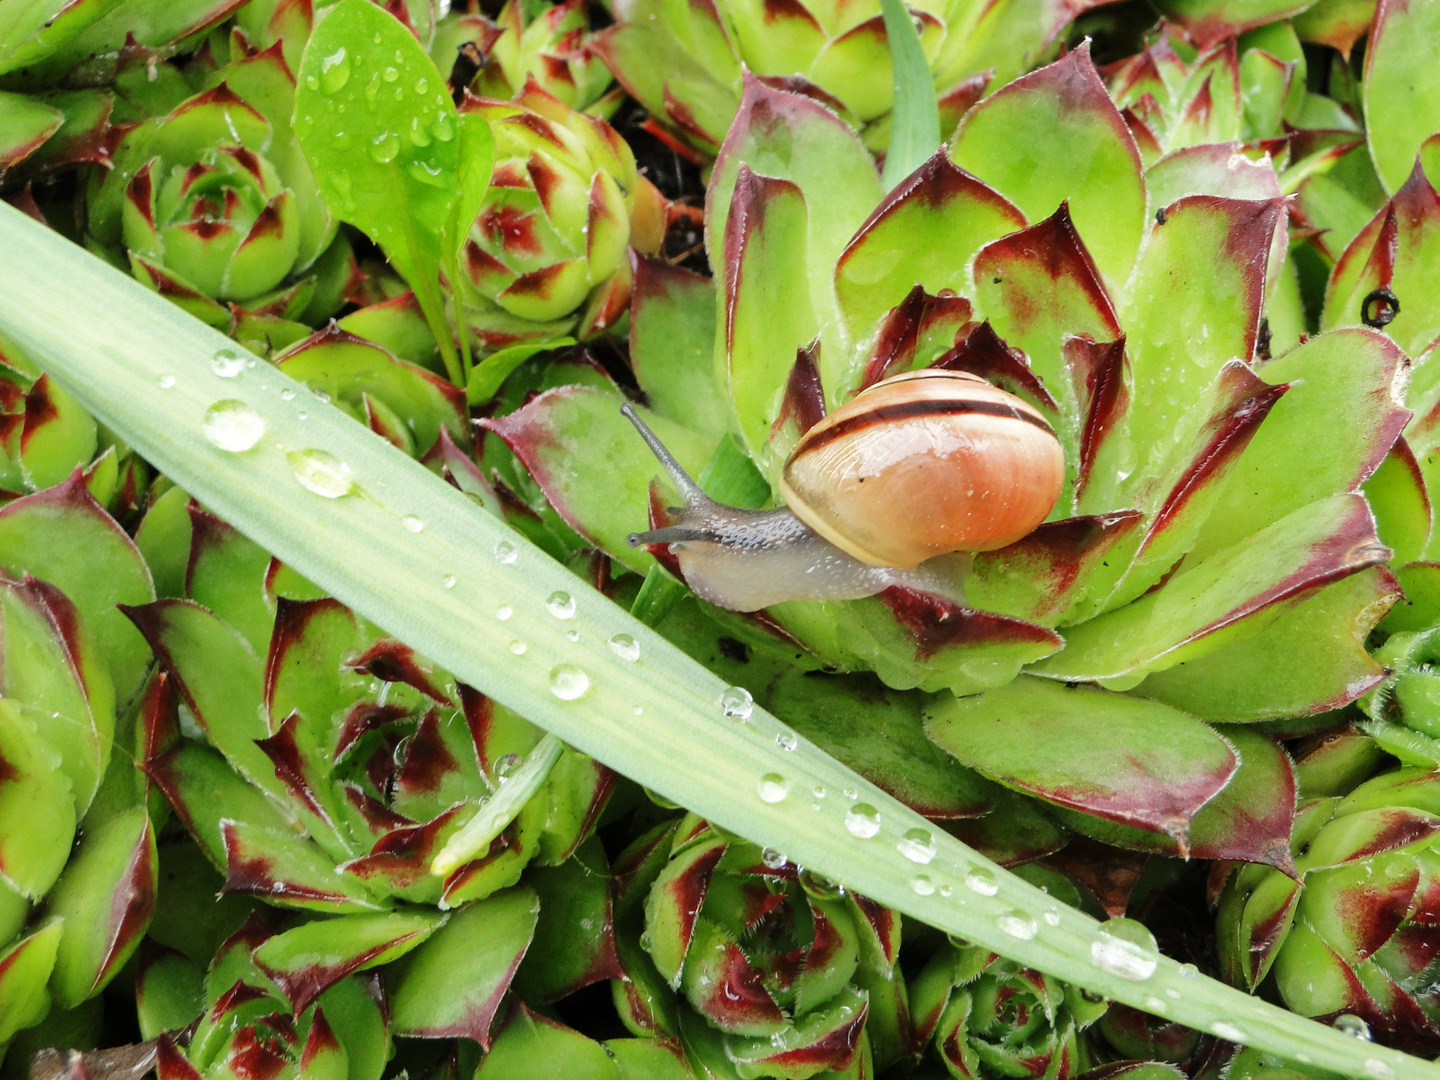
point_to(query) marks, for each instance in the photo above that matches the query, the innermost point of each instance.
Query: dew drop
(862, 820)
(384, 147)
(819, 791)
(165, 382)
(1122, 958)
(922, 885)
(625, 647)
(505, 552)
(946, 891)
(506, 764)
(772, 788)
(232, 425)
(1155, 1005)
(504, 611)
(1353, 1026)
(287, 394)
(572, 635)
(736, 703)
(982, 882)
(227, 363)
(787, 740)
(561, 605)
(389, 74)
(418, 133)
(1228, 1031)
(568, 682)
(449, 581)
(519, 648)
(1052, 918)
(422, 85)
(313, 82)
(1377, 1069)
(917, 845)
(334, 72)
(818, 885)
(1017, 924)
(1189, 971)
(773, 859)
(413, 523)
(321, 472)
(851, 794)
(444, 129)
(302, 415)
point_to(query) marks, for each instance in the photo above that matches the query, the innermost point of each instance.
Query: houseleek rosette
(1194, 574)
(747, 957)
(987, 1016)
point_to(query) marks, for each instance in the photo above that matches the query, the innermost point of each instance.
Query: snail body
(918, 467)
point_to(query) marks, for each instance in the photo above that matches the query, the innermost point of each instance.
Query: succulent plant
(548, 249)
(215, 204)
(549, 47)
(987, 1016)
(78, 871)
(684, 64)
(753, 962)
(1350, 936)
(1163, 577)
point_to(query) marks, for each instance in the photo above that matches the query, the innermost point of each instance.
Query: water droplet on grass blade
(1353, 1026)
(568, 682)
(736, 703)
(1122, 958)
(917, 845)
(862, 820)
(413, 523)
(519, 648)
(625, 647)
(1228, 1031)
(982, 882)
(165, 382)
(449, 581)
(773, 859)
(504, 611)
(922, 885)
(561, 605)
(232, 425)
(1017, 924)
(227, 363)
(772, 788)
(787, 740)
(505, 552)
(321, 472)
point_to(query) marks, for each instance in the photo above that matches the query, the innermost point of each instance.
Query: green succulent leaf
(453, 984)
(1402, 92)
(106, 898)
(38, 826)
(679, 744)
(1159, 765)
(25, 969)
(25, 125)
(402, 190)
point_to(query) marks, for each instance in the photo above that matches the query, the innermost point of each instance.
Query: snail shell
(923, 464)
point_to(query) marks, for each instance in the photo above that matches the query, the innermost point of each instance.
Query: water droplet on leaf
(862, 820)
(321, 472)
(922, 885)
(227, 363)
(568, 682)
(232, 425)
(1228, 1031)
(165, 382)
(448, 581)
(1017, 924)
(1353, 1026)
(413, 523)
(773, 859)
(561, 605)
(625, 647)
(736, 703)
(504, 611)
(917, 845)
(519, 648)
(787, 740)
(384, 147)
(1122, 958)
(505, 552)
(334, 72)
(772, 788)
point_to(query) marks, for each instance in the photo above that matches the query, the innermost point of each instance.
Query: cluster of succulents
(1201, 698)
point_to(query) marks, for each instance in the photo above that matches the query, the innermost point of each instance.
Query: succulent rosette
(214, 204)
(551, 48)
(753, 964)
(78, 870)
(328, 767)
(1351, 935)
(986, 1016)
(684, 64)
(547, 253)
(1193, 573)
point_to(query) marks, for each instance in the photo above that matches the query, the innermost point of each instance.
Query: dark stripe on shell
(907, 410)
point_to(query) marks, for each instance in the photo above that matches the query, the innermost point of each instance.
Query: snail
(899, 486)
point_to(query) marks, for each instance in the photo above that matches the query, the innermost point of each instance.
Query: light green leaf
(915, 129)
(1402, 86)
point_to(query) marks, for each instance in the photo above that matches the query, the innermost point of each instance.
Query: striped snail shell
(916, 467)
(923, 464)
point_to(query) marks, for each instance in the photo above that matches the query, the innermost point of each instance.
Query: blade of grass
(142, 367)
(915, 122)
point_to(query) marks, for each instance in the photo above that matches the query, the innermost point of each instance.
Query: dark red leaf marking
(985, 353)
(804, 400)
(1099, 372)
(289, 759)
(392, 661)
(255, 874)
(753, 194)
(934, 623)
(428, 760)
